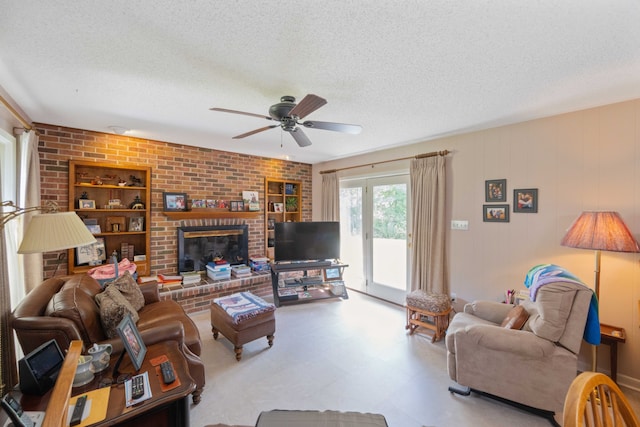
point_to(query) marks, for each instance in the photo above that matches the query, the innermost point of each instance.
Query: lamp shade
(55, 232)
(600, 230)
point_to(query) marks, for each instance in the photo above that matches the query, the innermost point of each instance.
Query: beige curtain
(29, 195)
(428, 263)
(330, 197)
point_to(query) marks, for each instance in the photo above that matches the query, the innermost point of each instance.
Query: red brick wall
(200, 172)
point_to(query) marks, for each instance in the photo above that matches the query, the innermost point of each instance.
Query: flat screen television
(307, 241)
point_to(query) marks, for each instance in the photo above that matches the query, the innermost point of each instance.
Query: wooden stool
(241, 318)
(422, 306)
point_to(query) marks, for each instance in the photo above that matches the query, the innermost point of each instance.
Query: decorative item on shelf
(92, 254)
(289, 189)
(86, 204)
(137, 203)
(278, 207)
(136, 223)
(174, 201)
(121, 182)
(291, 204)
(135, 181)
(84, 196)
(251, 200)
(116, 224)
(198, 203)
(271, 224)
(97, 181)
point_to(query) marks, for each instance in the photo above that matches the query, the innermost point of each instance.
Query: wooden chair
(595, 400)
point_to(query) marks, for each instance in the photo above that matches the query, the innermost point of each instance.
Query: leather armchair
(63, 308)
(533, 366)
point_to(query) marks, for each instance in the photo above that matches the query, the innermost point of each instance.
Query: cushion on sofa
(516, 318)
(128, 287)
(83, 282)
(75, 304)
(113, 307)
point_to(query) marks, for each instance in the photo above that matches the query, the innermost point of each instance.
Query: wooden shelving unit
(280, 197)
(99, 183)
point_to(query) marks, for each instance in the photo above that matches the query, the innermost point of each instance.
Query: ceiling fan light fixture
(119, 130)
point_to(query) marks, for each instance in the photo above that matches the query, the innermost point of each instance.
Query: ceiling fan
(290, 114)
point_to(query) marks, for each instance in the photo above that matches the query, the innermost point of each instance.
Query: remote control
(168, 376)
(76, 417)
(137, 386)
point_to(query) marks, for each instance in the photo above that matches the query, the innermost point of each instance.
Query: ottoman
(243, 317)
(429, 310)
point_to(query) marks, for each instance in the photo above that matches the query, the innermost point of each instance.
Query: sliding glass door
(375, 235)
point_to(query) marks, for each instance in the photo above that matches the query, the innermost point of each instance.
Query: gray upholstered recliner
(533, 366)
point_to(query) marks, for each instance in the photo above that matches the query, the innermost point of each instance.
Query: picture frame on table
(91, 254)
(495, 190)
(495, 213)
(86, 204)
(174, 202)
(136, 223)
(331, 274)
(525, 200)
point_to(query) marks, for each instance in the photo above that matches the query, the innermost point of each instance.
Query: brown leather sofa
(74, 315)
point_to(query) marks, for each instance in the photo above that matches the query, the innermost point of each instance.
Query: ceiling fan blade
(225, 110)
(300, 137)
(253, 132)
(308, 105)
(337, 127)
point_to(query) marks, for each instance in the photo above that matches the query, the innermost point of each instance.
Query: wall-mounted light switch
(459, 225)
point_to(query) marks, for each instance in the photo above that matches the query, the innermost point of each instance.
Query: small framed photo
(278, 207)
(525, 200)
(331, 274)
(92, 254)
(233, 206)
(495, 213)
(198, 203)
(240, 206)
(86, 204)
(94, 228)
(495, 190)
(174, 201)
(136, 223)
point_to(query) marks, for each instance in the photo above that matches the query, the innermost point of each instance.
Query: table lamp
(600, 231)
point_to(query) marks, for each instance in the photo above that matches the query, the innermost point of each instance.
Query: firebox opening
(200, 245)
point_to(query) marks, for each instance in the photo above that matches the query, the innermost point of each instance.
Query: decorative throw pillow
(113, 307)
(516, 318)
(128, 287)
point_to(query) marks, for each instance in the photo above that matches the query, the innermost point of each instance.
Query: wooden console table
(170, 408)
(611, 336)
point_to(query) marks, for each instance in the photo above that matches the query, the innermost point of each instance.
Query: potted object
(291, 204)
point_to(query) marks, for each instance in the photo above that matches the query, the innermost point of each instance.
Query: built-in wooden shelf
(211, 214)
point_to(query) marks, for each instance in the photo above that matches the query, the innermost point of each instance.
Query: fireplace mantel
(211, 214)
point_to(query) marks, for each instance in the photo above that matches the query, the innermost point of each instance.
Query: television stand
(293, 284)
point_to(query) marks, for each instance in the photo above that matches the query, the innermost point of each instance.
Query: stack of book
(241, 270)
(169, 281)
(219, 271)
(190, 278)
(259, 263)
(127, 250)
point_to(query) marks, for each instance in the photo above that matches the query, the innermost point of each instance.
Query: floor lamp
(600, 231)
(51, 231)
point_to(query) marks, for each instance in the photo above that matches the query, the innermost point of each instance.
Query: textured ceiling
(407, 71)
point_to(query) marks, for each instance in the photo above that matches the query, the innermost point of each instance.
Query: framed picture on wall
(495, 213)
(525, 200)
(495, 190)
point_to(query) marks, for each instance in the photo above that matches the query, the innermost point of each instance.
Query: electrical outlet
(459, 225)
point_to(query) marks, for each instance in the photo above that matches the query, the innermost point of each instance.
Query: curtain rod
(17, 115)
(417, 156)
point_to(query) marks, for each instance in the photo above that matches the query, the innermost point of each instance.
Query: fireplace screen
(200, 245)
